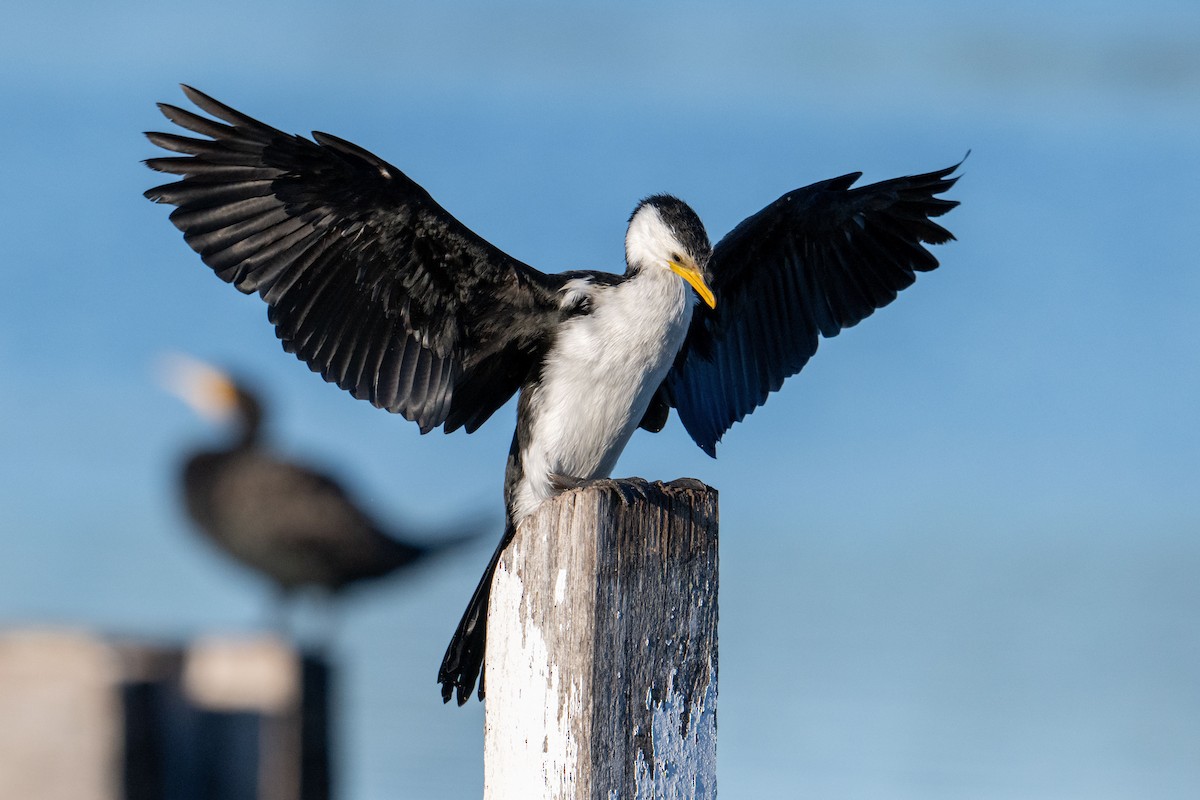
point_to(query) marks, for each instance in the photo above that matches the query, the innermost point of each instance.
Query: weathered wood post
(602, 648)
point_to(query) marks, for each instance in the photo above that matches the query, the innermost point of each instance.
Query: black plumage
(369, 281)
(374, 285)
(816, 261)
(291, 523)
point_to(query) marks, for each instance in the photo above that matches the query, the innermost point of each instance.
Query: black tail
(462, 665)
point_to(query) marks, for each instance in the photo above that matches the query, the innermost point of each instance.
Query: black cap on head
(683, 222)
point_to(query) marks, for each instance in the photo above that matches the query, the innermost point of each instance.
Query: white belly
(597, 382)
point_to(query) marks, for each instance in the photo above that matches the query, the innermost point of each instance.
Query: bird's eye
(678, 259)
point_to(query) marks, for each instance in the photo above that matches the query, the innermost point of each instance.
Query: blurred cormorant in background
(293, 524)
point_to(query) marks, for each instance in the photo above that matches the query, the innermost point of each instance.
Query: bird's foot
(628, 489)
(562, 483)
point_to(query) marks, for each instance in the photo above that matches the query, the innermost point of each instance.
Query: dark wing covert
(368, 280)
(817, 260)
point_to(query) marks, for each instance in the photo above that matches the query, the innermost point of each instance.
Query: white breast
(598, 379)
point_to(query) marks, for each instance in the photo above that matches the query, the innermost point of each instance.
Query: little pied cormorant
(377, 287)
(291, 523)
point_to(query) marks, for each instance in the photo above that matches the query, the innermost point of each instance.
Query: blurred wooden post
(60, 719)
(602, 648)
(85, 717)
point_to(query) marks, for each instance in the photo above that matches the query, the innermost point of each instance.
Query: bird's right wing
(368, 280)
(816, 261)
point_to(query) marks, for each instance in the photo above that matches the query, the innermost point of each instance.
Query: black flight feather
(369, 281)
(816, 261)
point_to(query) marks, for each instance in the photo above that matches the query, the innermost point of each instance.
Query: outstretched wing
(817, 260)
(368, 280)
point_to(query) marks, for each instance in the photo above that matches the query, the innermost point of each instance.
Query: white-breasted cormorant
(377, 287)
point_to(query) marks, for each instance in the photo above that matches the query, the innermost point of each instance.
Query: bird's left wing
(817, 260)
(368, 279)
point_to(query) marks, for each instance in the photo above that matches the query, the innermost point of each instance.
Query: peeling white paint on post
(685, 748)
(602, 648)
(530, 749)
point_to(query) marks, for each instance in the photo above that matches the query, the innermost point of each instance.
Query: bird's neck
(247, 430)
(655, 305)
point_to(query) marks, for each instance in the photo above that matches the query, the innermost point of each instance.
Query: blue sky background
(959, 552)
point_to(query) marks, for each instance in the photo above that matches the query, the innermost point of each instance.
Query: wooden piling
(89, 717)
(602, 648)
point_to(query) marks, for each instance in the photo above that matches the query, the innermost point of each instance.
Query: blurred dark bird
(376, 286)
(290, 523)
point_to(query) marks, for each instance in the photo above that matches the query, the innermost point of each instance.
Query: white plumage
(597, 381)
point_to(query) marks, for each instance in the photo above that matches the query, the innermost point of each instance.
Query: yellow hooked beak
(692, 275)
